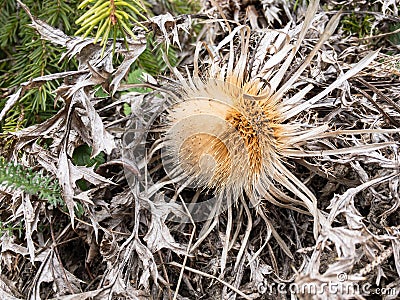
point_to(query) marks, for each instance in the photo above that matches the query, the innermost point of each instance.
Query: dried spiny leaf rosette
(235, 129)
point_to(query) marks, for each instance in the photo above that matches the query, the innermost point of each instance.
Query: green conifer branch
(16, 176)
(23, 56)
(110, 18)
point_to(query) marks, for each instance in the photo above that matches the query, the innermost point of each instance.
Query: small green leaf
(135, 77)
(81, 157)
(127, 109)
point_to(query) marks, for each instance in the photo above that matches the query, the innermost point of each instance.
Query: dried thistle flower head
(234, 130)
(226, 136)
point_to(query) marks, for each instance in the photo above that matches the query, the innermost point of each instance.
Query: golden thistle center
(249, 134)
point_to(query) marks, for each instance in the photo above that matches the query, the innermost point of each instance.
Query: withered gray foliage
(117, 239)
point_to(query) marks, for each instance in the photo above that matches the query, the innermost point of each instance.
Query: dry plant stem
(215, 4)
(239, 221)
(186, 280)
(384, 114)
(352, 150)
(68, 241)
(239, 275)
(206, 233)
(116, 122)
(275, 234)
(380, 35)
(273, 259)
(363, 12)
(296, 234)
(165, 274)
(255, 255)
(356, 131)
(316, 170)
(246, 235)
(212, 277)
(377, 262)
(224, 255)
(54, 246)
(88, 224)
(379, 93)
(209, 225)
(188, 249)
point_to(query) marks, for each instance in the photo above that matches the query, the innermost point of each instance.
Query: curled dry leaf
(51, 270)
(158, 236)
(8, 289)
(166, 24)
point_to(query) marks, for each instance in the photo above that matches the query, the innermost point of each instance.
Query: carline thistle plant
(235, 129)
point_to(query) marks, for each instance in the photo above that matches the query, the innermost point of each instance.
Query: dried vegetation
(303, 195)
